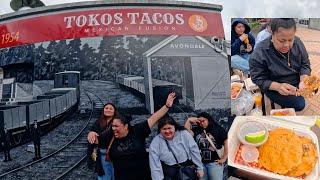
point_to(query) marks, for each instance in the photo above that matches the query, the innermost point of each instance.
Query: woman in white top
(163, 164)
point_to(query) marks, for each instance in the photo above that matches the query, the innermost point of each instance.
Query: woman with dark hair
(128, 151)
(210, 137)
(280, 63)
(100, 137)
(242, 44)
(172, 144)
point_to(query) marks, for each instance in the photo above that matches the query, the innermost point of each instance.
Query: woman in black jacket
(100, 137)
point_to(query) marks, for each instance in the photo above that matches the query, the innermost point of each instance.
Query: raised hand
(193, 120)
(161, 112)
(170, 99)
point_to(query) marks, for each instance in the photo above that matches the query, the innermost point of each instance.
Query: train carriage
(48, 109)
(36, 111)
(13, 117)
(68, 79)
(52, 103)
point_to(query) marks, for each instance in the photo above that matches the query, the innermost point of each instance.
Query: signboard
(110, 22)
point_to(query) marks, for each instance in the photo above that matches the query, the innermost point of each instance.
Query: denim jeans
(213, 171)
(296, 102)
(241, 63)
(107, 167)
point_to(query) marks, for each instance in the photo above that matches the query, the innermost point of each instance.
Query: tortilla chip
(282, 152)
(309, 159)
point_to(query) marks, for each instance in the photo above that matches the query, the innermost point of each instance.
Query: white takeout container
(271, 123)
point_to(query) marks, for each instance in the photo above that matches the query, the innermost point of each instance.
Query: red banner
(109, 22)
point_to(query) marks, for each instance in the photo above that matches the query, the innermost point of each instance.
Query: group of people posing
(120, 148)
(277, 62)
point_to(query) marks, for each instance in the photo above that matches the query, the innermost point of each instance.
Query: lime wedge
(256, 137)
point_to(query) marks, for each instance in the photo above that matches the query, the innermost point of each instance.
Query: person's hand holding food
(286, 89)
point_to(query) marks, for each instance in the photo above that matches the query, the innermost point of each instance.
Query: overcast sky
(235, 8)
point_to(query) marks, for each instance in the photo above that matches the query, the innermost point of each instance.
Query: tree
(87, 63)
(18, 4)
(73, 59)
(38, 62)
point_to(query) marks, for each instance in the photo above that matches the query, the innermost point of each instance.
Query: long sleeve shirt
(268, 65)
(262, 35)
(182, 144)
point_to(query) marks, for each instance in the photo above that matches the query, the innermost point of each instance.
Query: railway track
(62, 161)
(97, 104)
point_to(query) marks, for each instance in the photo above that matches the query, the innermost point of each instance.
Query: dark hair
(286, 23)
(103, 119)
(206, 115)
(169, 120)
(124, 119)
(264, 26)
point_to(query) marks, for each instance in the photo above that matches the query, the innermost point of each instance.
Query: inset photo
(275, 66)
(270, 147)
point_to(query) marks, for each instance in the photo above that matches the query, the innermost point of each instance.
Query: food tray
(270, 123)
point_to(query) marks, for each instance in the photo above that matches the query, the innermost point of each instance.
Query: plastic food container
(251, 127)
(235, 78)
(270, 123)
(250, 86)
(249, 153)
(236, 85)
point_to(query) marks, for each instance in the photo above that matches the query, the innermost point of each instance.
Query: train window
(6, 91)
(65, 81)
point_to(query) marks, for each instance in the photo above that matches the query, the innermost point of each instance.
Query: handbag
(219, 151)
(91, 153)
(108, 150)
(188, 172)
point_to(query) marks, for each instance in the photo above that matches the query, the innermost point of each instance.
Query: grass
(254, 25)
